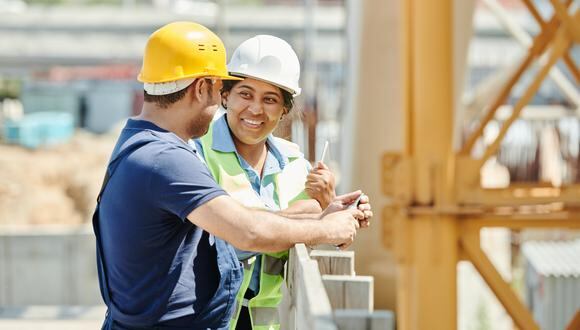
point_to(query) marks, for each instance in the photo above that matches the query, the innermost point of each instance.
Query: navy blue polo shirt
(162, 269)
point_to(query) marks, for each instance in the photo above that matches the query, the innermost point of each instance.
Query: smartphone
(355, 204)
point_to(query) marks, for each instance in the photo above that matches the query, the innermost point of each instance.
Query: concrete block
(37, 268)
(3, 269)
(353, 319)
(48, 266)
(85, 285)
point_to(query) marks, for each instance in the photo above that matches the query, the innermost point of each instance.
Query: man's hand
(343, 201)
(341, 227)
(320, 184)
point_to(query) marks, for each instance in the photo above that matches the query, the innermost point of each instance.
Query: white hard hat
(267, 58)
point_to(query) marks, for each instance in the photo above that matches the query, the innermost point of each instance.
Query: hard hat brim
(292, 92)
(140, 78)
(228, 77)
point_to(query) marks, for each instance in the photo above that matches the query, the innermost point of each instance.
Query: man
(161, 220)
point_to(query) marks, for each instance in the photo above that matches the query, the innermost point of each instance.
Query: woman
(260, 170)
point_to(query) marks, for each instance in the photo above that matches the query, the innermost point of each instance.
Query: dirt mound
(56, 185)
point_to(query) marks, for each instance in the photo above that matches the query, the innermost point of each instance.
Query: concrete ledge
(53, 313)
(52, 317)
(49, 265)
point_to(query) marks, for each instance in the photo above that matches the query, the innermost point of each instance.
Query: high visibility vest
(289, 186)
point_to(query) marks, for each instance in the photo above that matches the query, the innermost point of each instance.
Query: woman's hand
(347, 201)
(320, 184)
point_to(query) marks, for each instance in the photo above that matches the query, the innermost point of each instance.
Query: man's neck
(164, 119)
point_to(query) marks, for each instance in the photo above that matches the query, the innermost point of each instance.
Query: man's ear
(197, 88)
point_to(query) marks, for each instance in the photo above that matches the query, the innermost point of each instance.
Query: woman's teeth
(252, 122)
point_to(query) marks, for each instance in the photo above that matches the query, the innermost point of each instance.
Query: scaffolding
(438, 205)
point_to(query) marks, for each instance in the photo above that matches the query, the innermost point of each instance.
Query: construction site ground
(53, 185)
(52, 317)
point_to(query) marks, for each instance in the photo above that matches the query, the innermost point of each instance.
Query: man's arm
(262, 231)
(309, 208)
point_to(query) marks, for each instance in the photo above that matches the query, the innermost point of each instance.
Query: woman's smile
(253, 124)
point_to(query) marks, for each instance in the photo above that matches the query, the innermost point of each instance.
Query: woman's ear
(284, 113)
(225, 99)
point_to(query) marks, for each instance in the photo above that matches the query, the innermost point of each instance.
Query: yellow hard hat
(182, 50)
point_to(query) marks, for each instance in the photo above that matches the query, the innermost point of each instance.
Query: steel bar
(519, 313)
(560, 45)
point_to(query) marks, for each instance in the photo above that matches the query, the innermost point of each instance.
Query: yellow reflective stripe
(273, 265)
(264, 316)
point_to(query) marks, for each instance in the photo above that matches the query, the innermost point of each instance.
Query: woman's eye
(245, 94)
(271, 100)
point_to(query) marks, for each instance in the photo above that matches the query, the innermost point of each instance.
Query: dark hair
(288, 99)
(164, 101)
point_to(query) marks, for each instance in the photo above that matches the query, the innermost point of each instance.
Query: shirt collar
(133, 125)
(222, 137)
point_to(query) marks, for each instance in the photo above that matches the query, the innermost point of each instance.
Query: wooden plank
(352, 319)
(313, 309)
(548, 222)
(287, 310)
(349, 292)
(517, 195)
(334, 262)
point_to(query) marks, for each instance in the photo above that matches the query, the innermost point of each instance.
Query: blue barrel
(40, 129)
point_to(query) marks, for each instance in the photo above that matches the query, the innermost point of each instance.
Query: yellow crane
(409, 64)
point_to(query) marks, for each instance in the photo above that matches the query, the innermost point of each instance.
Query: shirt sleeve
(181, 182)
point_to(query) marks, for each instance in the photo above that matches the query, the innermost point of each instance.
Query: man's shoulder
(151, 152)
(158, 144)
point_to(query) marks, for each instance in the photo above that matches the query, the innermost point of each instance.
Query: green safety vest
(289, 187)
